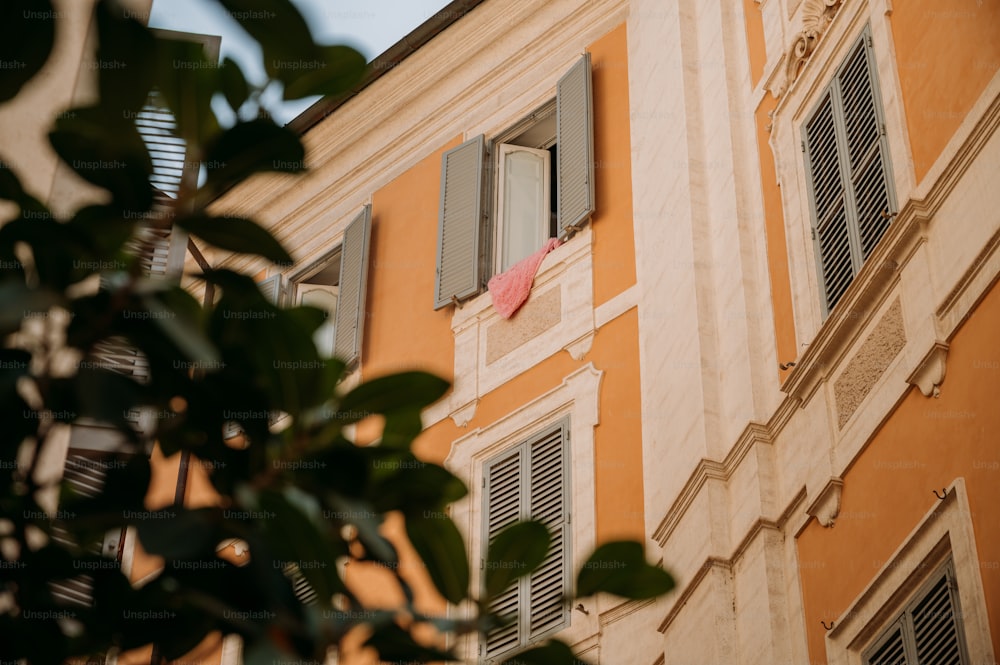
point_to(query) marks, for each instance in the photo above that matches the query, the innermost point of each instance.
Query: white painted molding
(929, 374)
(463, 414)
(581, 346)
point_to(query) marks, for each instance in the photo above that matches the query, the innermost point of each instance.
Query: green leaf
(440, 546)
(250, 147)
(179, 316)
(395, 645)
(19, 302)
(553, 653)
(237, 235)
(280, 30)
(27, 33)
(187, 80)
(515, 552)
(180, 533)
(292, 536)
(405, 390)
(620, 568)
(234, 85)
(126, 58)
(337, 70)
(106, 151)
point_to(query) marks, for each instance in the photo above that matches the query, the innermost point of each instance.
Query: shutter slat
(892, 652)
(547, 584)
(503, 507)
(349, 329)
(934, 627)
(575, 137)
(460, 219)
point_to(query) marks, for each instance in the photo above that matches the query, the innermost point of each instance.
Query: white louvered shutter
(547, 499)
(575, 138)
(161, 250)
(460, 236)
(848, 164)
(349, 329)
(504, 505)
(531, 481)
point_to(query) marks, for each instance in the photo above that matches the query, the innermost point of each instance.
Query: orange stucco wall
(777, 250)
(923, 446)
(614, 242)
(402, 330)
(756, 46)
(947, 50)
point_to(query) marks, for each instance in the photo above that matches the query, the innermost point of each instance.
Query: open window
(544, 187)
(337, 284)
(321, 289)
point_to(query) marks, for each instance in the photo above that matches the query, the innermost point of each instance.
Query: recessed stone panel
(868, 364)
(540, 313)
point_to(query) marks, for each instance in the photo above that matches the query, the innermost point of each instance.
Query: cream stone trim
(232, 650)
(753, 434)
(568, 269)
(826, 507)
(616, 306)
(623, 611)
(929, 374)
(128, 552)
(728, 564)
(816, 16)
(395, 123)
(578, 397)
(945, 530)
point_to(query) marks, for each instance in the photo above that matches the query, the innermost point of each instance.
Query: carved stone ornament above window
(816, 18)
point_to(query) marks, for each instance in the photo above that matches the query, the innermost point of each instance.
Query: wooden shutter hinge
(868, 40)
(802, 144)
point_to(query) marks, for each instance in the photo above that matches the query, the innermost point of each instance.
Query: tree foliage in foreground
(303, 492)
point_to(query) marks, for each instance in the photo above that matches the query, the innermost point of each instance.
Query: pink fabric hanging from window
(510, 289)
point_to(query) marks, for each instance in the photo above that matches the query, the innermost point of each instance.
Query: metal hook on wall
(943, 495)
(830, 627)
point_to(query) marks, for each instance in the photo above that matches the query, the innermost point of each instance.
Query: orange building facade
(770, 348)
(767, 346)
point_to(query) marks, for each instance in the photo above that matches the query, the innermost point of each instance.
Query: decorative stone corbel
(463, 414)
(580, 347)
(816, 18)
(826, 507)
(929, 373)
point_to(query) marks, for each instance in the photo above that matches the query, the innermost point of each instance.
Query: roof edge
(387, 60)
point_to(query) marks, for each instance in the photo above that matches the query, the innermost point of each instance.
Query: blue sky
(371, 26)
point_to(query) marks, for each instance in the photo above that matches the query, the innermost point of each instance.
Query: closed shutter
(353, 285)
(503, 505)
(829, 203)
(85, 472)
(575, 138)
(531, 482)
(162, 248)
(459, 250)
(866, 151)
(935, 627)
(547, 493)
(929, 630)
(847, 159)
(891, 649)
